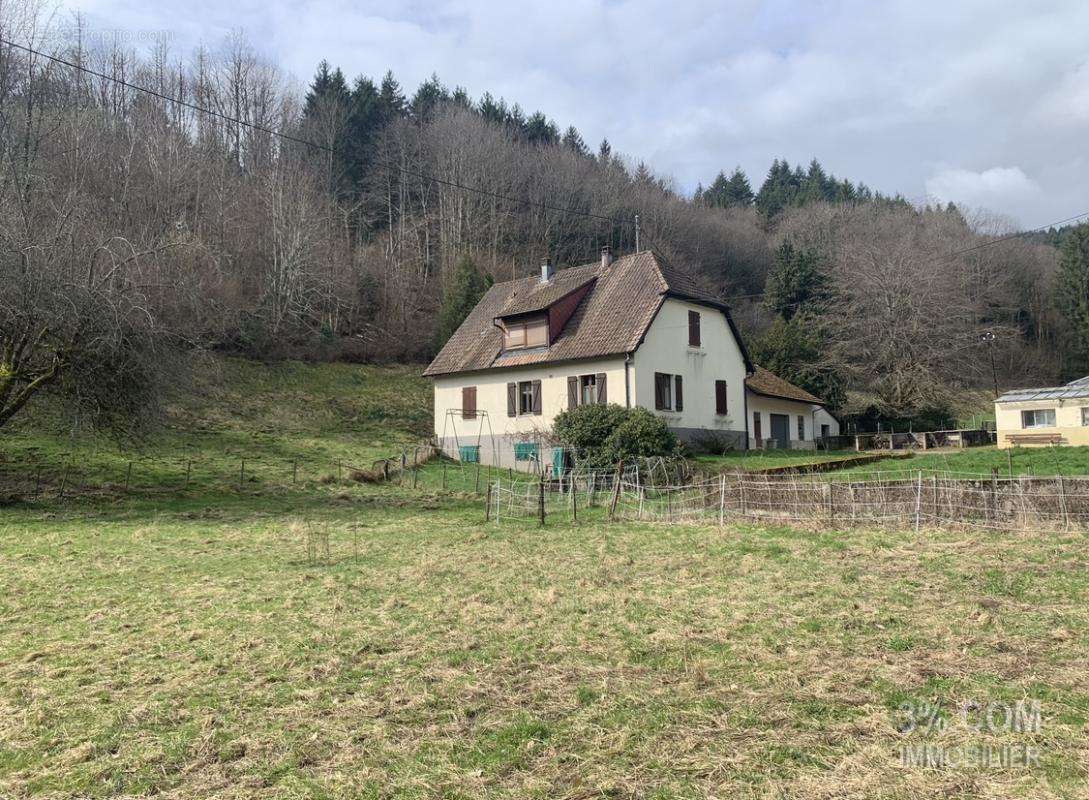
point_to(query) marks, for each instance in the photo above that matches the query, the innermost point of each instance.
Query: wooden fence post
(478, 474)
(188, 471)
(242, 474)
(540, 501)
(444, 476)
(64, 479)
(294, 470)
(574, 503)
(128, 478)
(741, 494)
(488, 505)
(38, 481)
(616, 490)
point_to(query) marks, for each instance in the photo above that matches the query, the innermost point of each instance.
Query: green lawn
(748, 460)
(288, 421)
(207, 642)
(980, 461)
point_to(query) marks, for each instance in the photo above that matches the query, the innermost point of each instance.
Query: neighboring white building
(631, 331)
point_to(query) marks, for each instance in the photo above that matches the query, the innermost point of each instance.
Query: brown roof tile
(767, 383)
(611, 319)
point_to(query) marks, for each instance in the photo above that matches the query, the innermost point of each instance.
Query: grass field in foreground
(191, 649)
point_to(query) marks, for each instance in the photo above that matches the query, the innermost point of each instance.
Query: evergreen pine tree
(573, 140)
(391, 98)
(428, 97)
(467, 285)
(605, 152)
(796, 282)
(1072, 298)
(738, 190)
(797, 350)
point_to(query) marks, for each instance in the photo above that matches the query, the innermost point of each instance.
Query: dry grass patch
(434, 657)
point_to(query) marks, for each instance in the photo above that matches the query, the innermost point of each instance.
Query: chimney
(547, 271)
(606, 256)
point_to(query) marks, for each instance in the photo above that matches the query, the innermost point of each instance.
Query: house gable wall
(665, 349)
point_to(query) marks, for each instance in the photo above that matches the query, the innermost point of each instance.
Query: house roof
(611, 319)
(1075, 389)
(540, 296)
(767, 383)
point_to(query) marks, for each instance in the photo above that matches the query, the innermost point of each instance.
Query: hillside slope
(284, 416)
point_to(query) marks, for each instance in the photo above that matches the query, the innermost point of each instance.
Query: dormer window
(524, 333)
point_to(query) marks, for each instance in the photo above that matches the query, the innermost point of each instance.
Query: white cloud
(906, 95)
(997, 188)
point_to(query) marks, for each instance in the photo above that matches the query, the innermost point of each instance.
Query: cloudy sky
(985, 103)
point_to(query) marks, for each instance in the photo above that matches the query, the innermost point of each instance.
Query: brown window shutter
(693, 329)
(720, 397)
(536, 397)
(602, 395)
(678, 401)
(572, 391)
(659, 403)
(512, 399)
(468, 402)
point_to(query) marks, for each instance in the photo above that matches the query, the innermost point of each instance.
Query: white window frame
(525, 398)
(1038, 418)
(587, 385)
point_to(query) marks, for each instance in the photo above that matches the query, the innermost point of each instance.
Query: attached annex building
(630, 331)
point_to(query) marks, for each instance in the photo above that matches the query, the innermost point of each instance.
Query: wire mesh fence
(1026, 503)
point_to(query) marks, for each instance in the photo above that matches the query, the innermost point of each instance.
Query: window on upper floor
(525, 333)
(693, 329)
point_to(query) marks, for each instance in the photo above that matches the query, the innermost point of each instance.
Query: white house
(631, 331)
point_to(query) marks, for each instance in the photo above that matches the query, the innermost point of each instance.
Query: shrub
(602, 435)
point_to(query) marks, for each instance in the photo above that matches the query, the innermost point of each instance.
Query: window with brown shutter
(572, 391)
(537, 397)
(678, 400)
(720, 397)
(663, 391)
(512, 399)
(602, 397)
(468, 402)
(693, 329)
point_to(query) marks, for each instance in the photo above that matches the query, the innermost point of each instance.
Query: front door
(780, 430)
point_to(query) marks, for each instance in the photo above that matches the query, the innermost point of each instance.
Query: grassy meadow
(328, 639)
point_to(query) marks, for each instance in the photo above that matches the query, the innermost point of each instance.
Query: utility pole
(989, 338)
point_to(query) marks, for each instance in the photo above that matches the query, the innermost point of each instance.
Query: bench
(1034, 438)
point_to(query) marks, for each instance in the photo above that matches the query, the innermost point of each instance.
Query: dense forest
(360, 220)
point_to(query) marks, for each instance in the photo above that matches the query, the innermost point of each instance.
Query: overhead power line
(298, 140)
(444, 181)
